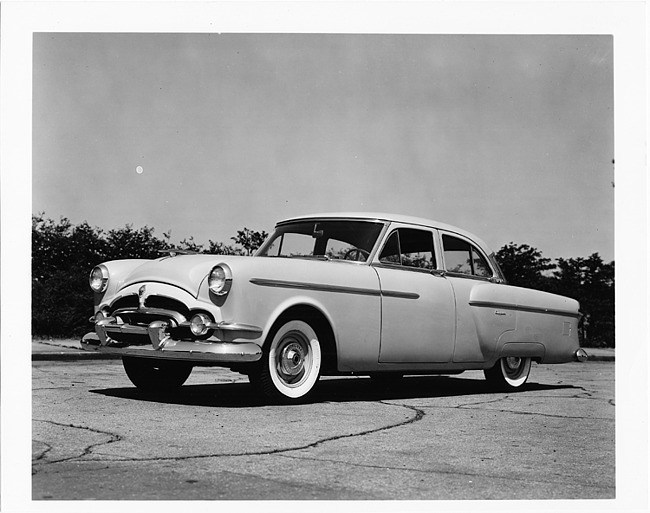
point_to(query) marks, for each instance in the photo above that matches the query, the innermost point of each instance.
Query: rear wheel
(509, 373)
(291, 363)
(156, 375)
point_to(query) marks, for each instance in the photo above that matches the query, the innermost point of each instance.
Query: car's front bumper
(218, 348)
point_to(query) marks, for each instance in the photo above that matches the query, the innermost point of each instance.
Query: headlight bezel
(98, 278)
(220, 280)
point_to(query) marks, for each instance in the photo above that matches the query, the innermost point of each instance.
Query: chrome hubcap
(513, 362)
(291, 359)
(513, 366)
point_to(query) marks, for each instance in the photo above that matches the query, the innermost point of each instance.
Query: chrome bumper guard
(162, 346)
(581, 355)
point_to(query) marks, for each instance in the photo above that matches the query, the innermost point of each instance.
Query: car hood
(184, 271)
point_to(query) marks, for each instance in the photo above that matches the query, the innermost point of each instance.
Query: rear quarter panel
(545, 325)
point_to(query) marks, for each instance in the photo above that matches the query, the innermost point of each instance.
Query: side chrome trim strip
(522, 308)
(313, 286)
(400, 295)
(320, 287)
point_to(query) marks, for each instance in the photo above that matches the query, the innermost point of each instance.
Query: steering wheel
(356, 254)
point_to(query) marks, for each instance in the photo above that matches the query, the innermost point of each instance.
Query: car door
(417, 306)
(467, 268)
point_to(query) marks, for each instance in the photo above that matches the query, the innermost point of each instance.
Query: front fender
(295, 301)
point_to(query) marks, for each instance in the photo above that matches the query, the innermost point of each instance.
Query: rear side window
(463, 258)
(409, 247)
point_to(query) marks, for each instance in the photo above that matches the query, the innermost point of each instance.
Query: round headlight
(220, 280)
(199, 324)
(99, 278)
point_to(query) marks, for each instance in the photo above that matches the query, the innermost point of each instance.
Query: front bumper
(218, 348)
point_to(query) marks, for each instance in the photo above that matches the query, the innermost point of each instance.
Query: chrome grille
(167, 303)
(129, 312)
(130, 301)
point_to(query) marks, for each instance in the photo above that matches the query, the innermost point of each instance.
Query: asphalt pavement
(70, 349)
(95, 436)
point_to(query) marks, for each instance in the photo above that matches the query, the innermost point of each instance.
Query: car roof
(396, 218)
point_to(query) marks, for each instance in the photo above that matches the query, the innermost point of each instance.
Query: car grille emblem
(142, 296)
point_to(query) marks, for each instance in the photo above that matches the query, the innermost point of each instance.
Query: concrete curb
(600, 355)
(603, 358)
(71, 357)
(66, 350)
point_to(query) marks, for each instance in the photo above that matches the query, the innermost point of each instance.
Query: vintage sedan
(330, 294)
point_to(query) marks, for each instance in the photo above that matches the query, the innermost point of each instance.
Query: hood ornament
(142, 295)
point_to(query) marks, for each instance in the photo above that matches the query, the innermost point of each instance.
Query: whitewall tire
(291, 362)
(509, 373)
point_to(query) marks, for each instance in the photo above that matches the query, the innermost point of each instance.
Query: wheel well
(323, 329)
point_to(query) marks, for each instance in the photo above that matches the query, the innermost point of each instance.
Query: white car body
(371, 315)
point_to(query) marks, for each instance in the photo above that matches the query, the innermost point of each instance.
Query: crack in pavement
(47, 449)
(86, 451)
(473, 406)
(534, 413)
(435, 471)
(419, 414)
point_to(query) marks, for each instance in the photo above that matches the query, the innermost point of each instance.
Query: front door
(417, 307)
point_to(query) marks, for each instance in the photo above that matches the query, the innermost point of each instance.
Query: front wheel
(509, 373)
(156, 375)
(291, 362)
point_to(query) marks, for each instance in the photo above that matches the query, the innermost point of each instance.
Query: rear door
(477, 329)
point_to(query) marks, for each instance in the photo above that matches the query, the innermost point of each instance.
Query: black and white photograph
(368, 255)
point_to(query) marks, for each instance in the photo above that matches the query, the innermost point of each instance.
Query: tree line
(588, 280)
(64, 253)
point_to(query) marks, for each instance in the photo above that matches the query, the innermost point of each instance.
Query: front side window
(463, 258)
(408, 247)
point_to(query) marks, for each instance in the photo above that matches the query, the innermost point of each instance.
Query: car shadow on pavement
(243, 395)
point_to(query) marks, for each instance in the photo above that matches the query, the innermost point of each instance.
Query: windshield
(330, 239)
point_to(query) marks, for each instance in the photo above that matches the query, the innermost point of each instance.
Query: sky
(509, 137)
